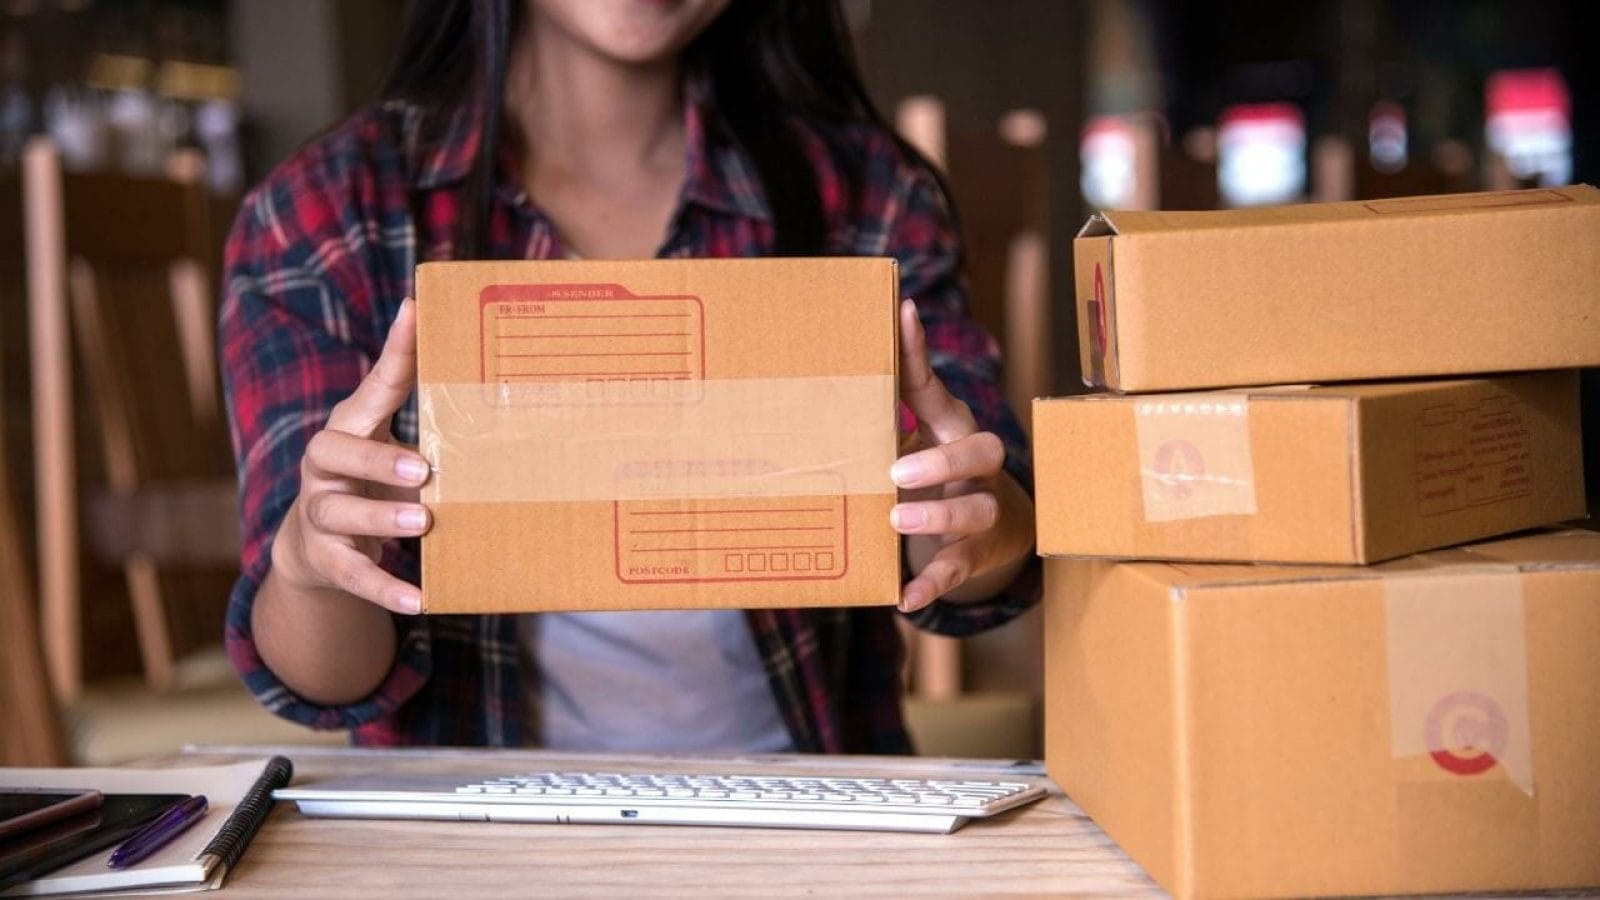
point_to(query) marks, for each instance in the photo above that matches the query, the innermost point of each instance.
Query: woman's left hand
(969, 524)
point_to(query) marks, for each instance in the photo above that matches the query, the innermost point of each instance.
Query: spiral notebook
(239, 797)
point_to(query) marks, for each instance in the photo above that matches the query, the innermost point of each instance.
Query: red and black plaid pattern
(319, 260)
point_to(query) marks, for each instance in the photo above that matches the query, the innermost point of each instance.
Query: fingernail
(412, 518)
(410, 603)
(908, 603)
(411, 469)
(908, 517)
(906, 473)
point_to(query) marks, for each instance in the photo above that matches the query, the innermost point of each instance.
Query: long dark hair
(769, 63)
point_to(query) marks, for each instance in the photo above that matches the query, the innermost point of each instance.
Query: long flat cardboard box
(1337, 474)
(659, 434)
(1428, 725)
(1414, 287)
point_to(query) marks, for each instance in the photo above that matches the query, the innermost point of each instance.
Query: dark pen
(159, 833)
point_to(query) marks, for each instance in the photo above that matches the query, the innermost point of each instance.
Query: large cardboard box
(1340, 474)
(1430, 724)
(658, 434)
(1450, 285)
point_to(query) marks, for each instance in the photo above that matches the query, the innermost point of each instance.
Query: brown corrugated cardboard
(658, 434)
(1431, 724)
(1338, 474)
(1421, 286)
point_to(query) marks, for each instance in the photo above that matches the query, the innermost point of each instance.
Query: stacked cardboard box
(1429, 723)
(658, 434)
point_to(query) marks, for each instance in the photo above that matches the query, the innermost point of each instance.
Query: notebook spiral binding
(247, 817)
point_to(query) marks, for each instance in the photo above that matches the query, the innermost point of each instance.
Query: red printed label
(1194, 456)
(1465, 733)
(1176, 467)
(801, 537)
(596, 333)
(597, 348)
(1097, 314)
(1474, 453)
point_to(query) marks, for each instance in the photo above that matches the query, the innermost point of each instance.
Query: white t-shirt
(660, 681)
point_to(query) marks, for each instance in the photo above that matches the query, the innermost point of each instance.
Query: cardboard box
(1431, 724)
(1343, 474)
(658, 434)
(1452, 285)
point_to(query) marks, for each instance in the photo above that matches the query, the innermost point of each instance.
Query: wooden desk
(1049, 848)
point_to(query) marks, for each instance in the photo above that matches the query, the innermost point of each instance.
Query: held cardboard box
(1449, 285)
(1430, 724)
(658, 434)
(1340, 474)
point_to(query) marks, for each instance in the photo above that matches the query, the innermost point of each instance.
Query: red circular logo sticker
(1177, 465)
(1466, 733)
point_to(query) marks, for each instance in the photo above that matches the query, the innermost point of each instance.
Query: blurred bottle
(1529, 125)
(1386, 137)
(74, 116)
(216, 127)
(1261, 154)
(145, 130)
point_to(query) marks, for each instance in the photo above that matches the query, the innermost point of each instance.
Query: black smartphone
(118, 817)
(24, 809)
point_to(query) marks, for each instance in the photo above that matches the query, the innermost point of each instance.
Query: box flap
(1131, 222)
(1569, 549)
(1353, 391)
(1572, 548)
(1097, 226)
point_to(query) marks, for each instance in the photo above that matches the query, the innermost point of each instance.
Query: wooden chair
(31, 735)
(124, 259)
(999, 174)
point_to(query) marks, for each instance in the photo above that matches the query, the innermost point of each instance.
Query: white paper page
(224, 787)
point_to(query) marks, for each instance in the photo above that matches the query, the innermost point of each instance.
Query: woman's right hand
(359, 487)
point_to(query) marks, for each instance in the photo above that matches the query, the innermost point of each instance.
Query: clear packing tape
(651, 440)
(1458, 668)
(1194, 456)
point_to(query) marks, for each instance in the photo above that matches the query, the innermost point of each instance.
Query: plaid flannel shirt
(321, 256)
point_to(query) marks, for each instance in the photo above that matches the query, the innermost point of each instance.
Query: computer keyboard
(772, 801)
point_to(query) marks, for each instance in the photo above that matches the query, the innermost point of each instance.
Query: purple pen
(159, 833)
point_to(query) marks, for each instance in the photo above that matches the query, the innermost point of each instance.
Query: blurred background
(130, 128)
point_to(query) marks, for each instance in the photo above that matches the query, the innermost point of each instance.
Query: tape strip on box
(656, 440)
(1194, 456)
(1458, 671)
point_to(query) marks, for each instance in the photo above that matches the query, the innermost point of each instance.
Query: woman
(600, 129)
